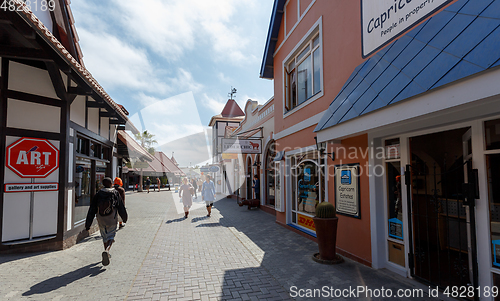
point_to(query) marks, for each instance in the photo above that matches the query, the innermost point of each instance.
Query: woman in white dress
(185, 192)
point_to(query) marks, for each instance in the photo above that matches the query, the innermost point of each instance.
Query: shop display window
(83, 183)
(493, 168)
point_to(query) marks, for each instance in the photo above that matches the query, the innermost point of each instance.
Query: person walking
(106, 205)
(256, 186)
(158, 182)
(148, 183)
(185, 193)
(195, 187)
(118, 185)
(208, 194)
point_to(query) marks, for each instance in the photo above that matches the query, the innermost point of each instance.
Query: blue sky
(174, 61)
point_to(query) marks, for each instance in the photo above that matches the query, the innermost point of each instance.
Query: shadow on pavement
(55, 283)
(180, 219)
(210, 225)
(197, 219)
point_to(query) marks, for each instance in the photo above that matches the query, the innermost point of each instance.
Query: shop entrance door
(441, 191)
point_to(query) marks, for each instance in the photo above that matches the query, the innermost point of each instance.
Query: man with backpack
(106, 205)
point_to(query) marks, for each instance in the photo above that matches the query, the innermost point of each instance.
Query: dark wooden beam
(24, 53)
(115, 121)
(80, 90)
(95, 104)
(107, 114)
(57, 80)
(33, 98)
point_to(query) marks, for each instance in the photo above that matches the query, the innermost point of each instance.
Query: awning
(129, 148)
(458, 42)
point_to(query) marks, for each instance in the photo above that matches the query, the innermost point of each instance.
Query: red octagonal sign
(32, 157)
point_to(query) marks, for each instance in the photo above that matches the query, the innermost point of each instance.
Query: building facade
(58, 131)
(411, 116)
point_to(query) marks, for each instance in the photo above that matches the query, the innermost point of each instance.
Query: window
(303, 74)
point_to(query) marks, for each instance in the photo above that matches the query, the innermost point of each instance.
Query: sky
(172, 63)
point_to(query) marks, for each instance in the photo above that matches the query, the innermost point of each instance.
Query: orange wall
(291, 15)
(303, 5)
(353, 235)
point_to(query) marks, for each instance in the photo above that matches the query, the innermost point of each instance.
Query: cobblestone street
(236, 254)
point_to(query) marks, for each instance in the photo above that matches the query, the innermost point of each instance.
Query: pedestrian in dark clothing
(148, 183)
(195, 186)
(256, 187)
(118, 183)
(106, 205)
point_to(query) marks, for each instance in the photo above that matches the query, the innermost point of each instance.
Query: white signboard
(242, 146)
(384, 20)
(31, 187)
(347, 190)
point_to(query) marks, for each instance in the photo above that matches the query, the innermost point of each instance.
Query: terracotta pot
(326, 234)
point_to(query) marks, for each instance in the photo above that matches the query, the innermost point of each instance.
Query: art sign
(241, 146)
(347, 196)
(31, 187)
(32, 157)
(384, 20)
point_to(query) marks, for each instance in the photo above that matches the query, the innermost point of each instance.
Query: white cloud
(168, 119)
(170, 28)
(213, 104)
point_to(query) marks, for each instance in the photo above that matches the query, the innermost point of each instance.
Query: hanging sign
(31, 187)
(347, 196)
(242, 146)
(32, 158)
(384, 20)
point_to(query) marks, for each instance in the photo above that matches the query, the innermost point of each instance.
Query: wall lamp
(321, 146)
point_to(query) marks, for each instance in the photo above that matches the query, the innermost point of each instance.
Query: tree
(146, 140)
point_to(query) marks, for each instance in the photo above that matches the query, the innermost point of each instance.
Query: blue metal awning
(462, 40)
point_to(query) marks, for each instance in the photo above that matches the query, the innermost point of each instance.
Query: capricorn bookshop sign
(384, 20)
(241, 146)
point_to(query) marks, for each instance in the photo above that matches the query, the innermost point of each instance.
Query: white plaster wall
(45, 213)
(105, 127)
(93, 120)
(77, 111)
(31, 80)
(69, 216)
(16, 216)
(33, 116)
(42, 14)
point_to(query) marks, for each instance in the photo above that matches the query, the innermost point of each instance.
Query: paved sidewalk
(236, 254)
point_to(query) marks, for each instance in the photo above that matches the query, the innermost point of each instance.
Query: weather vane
(233, 93)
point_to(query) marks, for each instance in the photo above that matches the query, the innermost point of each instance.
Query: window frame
(315, 31)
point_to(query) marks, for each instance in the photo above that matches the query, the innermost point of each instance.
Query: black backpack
(106, 202)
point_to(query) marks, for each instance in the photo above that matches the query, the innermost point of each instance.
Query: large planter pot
(326, 234)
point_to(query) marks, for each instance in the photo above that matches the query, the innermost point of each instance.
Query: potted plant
(326, 221)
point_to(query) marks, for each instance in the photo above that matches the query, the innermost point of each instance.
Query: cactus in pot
(325, 210)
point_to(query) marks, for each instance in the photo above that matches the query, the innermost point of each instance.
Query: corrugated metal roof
(460, 41)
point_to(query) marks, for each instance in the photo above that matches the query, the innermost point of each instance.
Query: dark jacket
(103, 193)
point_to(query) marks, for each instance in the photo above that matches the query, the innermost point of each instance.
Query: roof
(169, 164)
(32, 20)
(232, 109)
(267, 66)
(220, 118)
(462, 40)
(128, 147)
(173, 160)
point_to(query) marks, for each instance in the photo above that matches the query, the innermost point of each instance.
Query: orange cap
(118, 181)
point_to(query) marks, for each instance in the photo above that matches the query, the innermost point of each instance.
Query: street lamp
(321, 146)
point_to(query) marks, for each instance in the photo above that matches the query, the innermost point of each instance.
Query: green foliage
(325, 210)
(146, 140)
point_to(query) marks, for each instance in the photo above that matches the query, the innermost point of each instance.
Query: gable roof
(267, 65)
(462, 40)
(169, 164)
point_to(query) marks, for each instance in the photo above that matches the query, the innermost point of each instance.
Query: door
(441, 207)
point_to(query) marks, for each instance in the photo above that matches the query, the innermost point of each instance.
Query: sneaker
(122, 225)
(105, 258)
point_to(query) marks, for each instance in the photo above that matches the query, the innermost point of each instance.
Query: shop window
(82, 188)
(82, 146)
(307, 188)
(270, 175)
(493, 167)
(492, 134)
(303, 74)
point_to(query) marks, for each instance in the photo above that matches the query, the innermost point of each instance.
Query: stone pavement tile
(76, 273)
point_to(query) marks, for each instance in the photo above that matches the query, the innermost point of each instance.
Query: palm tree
(146, 140)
